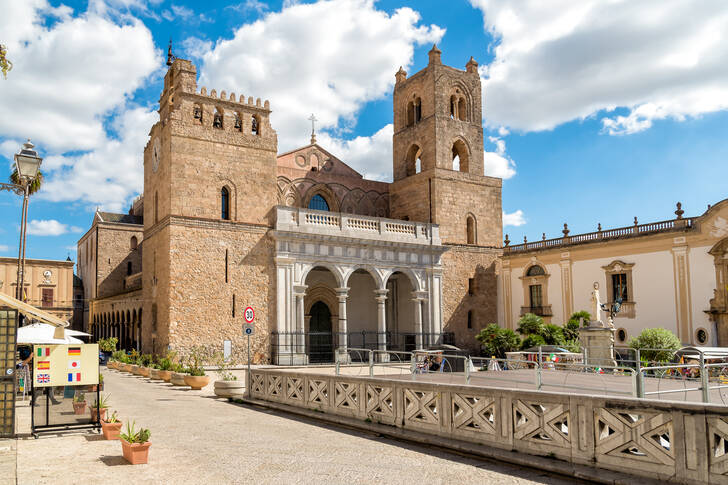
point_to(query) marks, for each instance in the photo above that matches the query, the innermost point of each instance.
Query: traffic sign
(249, 314)
(248, 329)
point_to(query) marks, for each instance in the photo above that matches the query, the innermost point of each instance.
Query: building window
(197, 113)
(47, 297)
(238, 122)
(128, 268)
(133, 243)
(619, 287)
(535, 296)
(470, 232)
(225, 203)
(318, 203)
(470, 319)
(622, 335)
(701, 335)
(255, 125)
(471, 286)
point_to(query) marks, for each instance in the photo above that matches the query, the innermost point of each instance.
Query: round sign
(249, 314)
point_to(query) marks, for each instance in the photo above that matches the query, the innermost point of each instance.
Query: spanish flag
(44, 365)
(74, 350)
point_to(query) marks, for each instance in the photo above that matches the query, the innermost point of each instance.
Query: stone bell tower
(439, 177)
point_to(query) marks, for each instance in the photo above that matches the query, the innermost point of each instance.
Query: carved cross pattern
(318, 392)
(634, 435)
(379, 401)
(541, 422)
(347, 396)
(295, 388)
(421, 406)
(258, 384)
(718, 442)
(275, 386)
(473, 413)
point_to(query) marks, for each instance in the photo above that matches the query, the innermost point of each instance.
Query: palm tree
(34, 185)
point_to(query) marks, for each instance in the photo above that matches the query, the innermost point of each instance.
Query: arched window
(470, 230)
(255, 125)
(225, 203)
(460, 156)
(238, 122)
(133, 243)
(197, 113)
(413, 160)
(414, 111)
(535, 270)
(453, 107)
(418, 110)
(217, 119)
(318, 203)
(462, 110)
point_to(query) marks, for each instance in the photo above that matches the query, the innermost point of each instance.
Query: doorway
(321, 342)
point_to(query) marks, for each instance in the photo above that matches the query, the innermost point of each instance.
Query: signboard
(249, 314)
(65, 365)
(248, 329)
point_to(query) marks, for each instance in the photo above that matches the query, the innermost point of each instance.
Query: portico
(354, 281)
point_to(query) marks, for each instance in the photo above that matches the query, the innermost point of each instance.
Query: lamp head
(27, 162)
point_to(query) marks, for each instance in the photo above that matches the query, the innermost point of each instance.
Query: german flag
(74, 350)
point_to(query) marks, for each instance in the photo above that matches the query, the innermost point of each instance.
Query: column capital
(299, 290)
(380, 295)
(342, 292)
(419, 295)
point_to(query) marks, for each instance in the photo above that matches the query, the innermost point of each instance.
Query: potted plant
(144, 362)
(134, 361)
(111, 427)
(107, 346)
(177, 377)
(165, 367)
(135, 444)
(196, 377)
(228, 385)
(99, 409)
(79, 403)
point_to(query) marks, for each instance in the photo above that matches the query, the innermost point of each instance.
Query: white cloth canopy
(42, 333)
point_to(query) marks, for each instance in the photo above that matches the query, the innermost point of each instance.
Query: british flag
(43, 378)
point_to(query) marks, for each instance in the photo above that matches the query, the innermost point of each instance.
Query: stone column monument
(595, 337)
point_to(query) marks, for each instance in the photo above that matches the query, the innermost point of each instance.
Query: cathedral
(330, 261)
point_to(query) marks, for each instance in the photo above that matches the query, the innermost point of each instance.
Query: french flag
(74, 377)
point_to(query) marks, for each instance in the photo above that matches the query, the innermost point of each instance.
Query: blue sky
(595, 112)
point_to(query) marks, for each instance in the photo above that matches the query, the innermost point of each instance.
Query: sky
(595, 111)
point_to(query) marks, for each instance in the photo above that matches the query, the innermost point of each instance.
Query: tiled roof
(120, 218)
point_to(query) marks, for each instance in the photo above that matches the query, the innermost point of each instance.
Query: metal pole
(704, 379)
(371, 363)
(413, 365)
(467, 370)
(249, 377)
(21, 246)
(640, 384)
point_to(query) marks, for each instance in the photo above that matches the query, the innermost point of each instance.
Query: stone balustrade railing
(620, 232)
(296, 219)
(669, 441)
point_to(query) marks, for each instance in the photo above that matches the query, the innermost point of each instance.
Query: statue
(596, 307)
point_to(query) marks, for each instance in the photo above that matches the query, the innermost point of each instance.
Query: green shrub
(108, 344)
(553, 335)
(656, 338)
(577, 316)
(497, 341)
(131, 435)
(532, 341)
(572, 345)
(530, 324)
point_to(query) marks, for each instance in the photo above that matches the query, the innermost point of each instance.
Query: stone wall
(459, 264)
(114, 255)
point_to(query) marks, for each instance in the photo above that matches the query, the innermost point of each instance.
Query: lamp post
(27, 163)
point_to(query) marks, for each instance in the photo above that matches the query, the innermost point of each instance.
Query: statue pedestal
(599, 344)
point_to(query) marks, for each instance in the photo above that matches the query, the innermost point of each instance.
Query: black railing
(320, 347)
(542, 311)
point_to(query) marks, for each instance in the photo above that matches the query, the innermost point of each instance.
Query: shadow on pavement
(114, 460)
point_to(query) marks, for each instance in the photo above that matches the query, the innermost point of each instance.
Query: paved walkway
(197, 438)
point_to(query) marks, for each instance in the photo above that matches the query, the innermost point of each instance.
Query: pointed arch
(326, 193)
(471, 229)
(414, 154)
(461, 153)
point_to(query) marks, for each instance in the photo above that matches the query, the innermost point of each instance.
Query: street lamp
(27, 163)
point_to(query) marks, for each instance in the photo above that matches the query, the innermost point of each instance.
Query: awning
(43, 333)
(35, 313)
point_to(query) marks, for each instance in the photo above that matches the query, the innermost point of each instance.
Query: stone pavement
(196, 438)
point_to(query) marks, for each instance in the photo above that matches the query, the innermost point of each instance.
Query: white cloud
(182, 12)
(250, 5)
(329, 58)
(497, 163)
(4, 248)
(369, 155)
(562, 60)
(48, 227)
(514, 218)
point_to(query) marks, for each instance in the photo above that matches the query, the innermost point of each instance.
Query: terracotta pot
(111, 430)
(144, 371)
(92, 409)
(229, 388)
(136, 370)
(165, 375)
(197, 382)
(111, 364)
(177, 379)
(136, 453)
(79, 407)
(154, 374)
(127, 368)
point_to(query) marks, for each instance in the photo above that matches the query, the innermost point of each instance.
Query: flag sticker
(44, 365)
(43, 351)
(74, 350)
(74, 377)
(74, 364)
(43, 378)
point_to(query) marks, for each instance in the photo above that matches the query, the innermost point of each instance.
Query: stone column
(299, 337)
(381, 297)
(342, 354)
(417, 299)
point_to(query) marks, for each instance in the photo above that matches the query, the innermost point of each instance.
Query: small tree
(532, 341)
(530, 324)
(553, 335)
(576, 317)
(656, 338)
(497, 341)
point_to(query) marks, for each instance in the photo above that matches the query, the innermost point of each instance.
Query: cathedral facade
(327, 259)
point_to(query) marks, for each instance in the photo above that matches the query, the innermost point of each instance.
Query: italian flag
(43, 351)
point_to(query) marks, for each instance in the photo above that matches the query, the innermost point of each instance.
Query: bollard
(704, 379)
(413, 366)
(338, 368)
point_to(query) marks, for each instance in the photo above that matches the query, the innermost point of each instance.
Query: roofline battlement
(254, 103)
